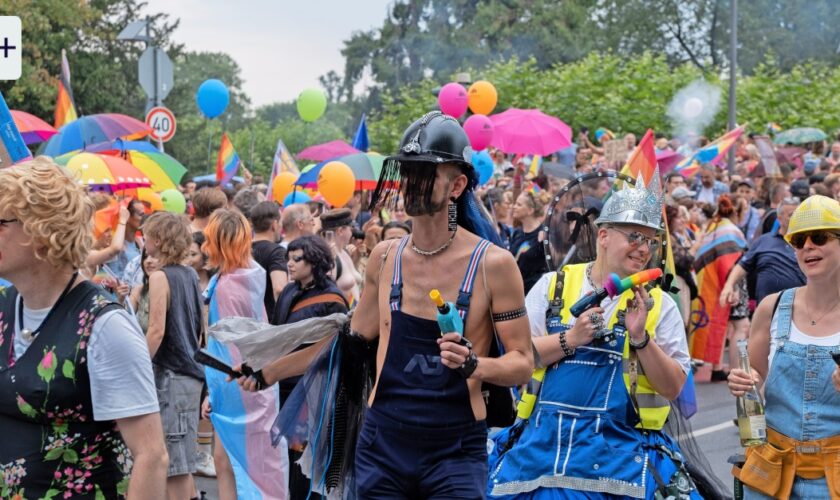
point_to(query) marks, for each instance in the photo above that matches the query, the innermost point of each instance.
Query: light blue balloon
(212, 98)
(296, 197)
(483, 164)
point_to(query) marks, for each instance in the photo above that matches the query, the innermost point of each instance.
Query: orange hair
(228, 244)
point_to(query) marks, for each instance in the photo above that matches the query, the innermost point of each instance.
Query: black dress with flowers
(51, 446)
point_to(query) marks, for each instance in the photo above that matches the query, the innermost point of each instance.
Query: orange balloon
(336, 183)
(482, 97)
(150, 199)
(283, 184)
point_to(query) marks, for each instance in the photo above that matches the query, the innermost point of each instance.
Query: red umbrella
(529, 131)
(327, 151)
(32, 128)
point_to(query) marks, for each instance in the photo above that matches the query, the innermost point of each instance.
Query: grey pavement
(712, 426)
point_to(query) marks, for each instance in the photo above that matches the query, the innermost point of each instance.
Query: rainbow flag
(720, 250)
(714, 152)
(536, 162)
(242, 419)
(65, 106)
(642, 162)
(228, 163)
(283, 162)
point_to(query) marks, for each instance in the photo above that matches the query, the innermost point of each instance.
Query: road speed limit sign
(162, 122)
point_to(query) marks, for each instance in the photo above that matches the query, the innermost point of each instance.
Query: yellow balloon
(283, 184)
(336, 183)
(482, 97)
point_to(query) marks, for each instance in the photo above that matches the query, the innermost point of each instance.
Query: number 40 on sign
(162, 122)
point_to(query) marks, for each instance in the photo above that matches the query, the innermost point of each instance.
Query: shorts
(179, 397)
(741, 310)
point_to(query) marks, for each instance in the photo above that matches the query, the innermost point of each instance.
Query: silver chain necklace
(430, 253)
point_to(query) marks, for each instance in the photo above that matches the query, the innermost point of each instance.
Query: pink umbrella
(327, 150)
(529, 131)
(667, 160)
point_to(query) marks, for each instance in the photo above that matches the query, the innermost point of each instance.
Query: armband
(510, 315)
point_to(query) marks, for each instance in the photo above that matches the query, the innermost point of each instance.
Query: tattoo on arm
(509, 315)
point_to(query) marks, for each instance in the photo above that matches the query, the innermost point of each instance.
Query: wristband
(469, 366)
(567, 349)
(641, 345)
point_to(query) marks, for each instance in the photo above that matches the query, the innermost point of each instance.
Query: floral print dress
(52, 448)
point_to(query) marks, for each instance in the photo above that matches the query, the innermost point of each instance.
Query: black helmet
(435, 138)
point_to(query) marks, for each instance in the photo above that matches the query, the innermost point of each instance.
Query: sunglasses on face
(818, 238)
(637, 239)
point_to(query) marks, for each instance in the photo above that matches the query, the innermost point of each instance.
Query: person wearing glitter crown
(595, 430)
(425, 432)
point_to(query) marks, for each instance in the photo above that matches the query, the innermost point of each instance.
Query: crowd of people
(112, 300)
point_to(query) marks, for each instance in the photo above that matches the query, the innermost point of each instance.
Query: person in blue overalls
(794, 336)
(424, 435)
(595, 430)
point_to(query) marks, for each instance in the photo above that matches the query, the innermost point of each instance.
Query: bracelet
(121, 224)
(642, 344)
(567, 350)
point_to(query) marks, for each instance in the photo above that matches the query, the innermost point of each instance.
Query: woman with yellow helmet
(793, 337)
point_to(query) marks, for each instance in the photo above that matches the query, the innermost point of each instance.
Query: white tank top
(796, 335)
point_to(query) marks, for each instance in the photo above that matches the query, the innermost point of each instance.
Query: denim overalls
(801, 401)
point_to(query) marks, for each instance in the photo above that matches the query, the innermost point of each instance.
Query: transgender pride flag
(228, 163)
(242, 419)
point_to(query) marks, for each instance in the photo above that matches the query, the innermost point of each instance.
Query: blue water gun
(447, 316)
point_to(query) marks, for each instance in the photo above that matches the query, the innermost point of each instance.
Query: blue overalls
(420, 438)
(581, 440)
(801, 401)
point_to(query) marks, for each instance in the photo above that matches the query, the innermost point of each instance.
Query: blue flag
(360, 141)
(12, 147)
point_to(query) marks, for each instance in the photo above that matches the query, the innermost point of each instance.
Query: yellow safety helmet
(814, 214)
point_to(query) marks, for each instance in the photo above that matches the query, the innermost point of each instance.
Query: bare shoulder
(379, 253)
(500, 260)
(158, 278)
(764, 311)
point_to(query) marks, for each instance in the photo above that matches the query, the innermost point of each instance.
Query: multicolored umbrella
(327, 151)
(366, 168)
(529, 131)
(94, 129)
(32, 129)
(164, 171)
(801, 135)
(102, 172)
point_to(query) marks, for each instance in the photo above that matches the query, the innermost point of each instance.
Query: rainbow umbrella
(102, 172)
(164, 171)
(94, 129)
(365, 166)
(32, 129)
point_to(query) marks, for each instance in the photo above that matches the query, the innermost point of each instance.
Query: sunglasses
(637, 239)
(818, 238)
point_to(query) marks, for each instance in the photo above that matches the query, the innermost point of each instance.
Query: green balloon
(311, 104)
(173, 201)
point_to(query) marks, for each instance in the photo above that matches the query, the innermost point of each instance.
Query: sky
(282, 46)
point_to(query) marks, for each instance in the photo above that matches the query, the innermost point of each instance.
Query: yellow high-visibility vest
(653, 408)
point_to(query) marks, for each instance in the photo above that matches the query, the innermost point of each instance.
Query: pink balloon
(479, 129)
(453, 99)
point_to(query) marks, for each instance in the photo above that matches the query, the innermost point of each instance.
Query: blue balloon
(296, 197)
(212, 98)
(483, 165)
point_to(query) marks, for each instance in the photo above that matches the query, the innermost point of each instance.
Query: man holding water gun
(614, 360)
(424, 434)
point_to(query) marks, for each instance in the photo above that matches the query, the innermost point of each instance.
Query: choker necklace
(430, 253)
(29, 335)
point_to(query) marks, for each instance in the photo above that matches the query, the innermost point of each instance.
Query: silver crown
(639, 204)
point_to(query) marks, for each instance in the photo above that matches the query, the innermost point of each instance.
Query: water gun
(613, 286)
(447, 316)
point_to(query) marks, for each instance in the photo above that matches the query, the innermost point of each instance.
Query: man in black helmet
(424, 435)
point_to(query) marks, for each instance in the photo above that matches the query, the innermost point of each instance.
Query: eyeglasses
(637, 239)
(6, 222)
(297, 258)
(818, 238)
